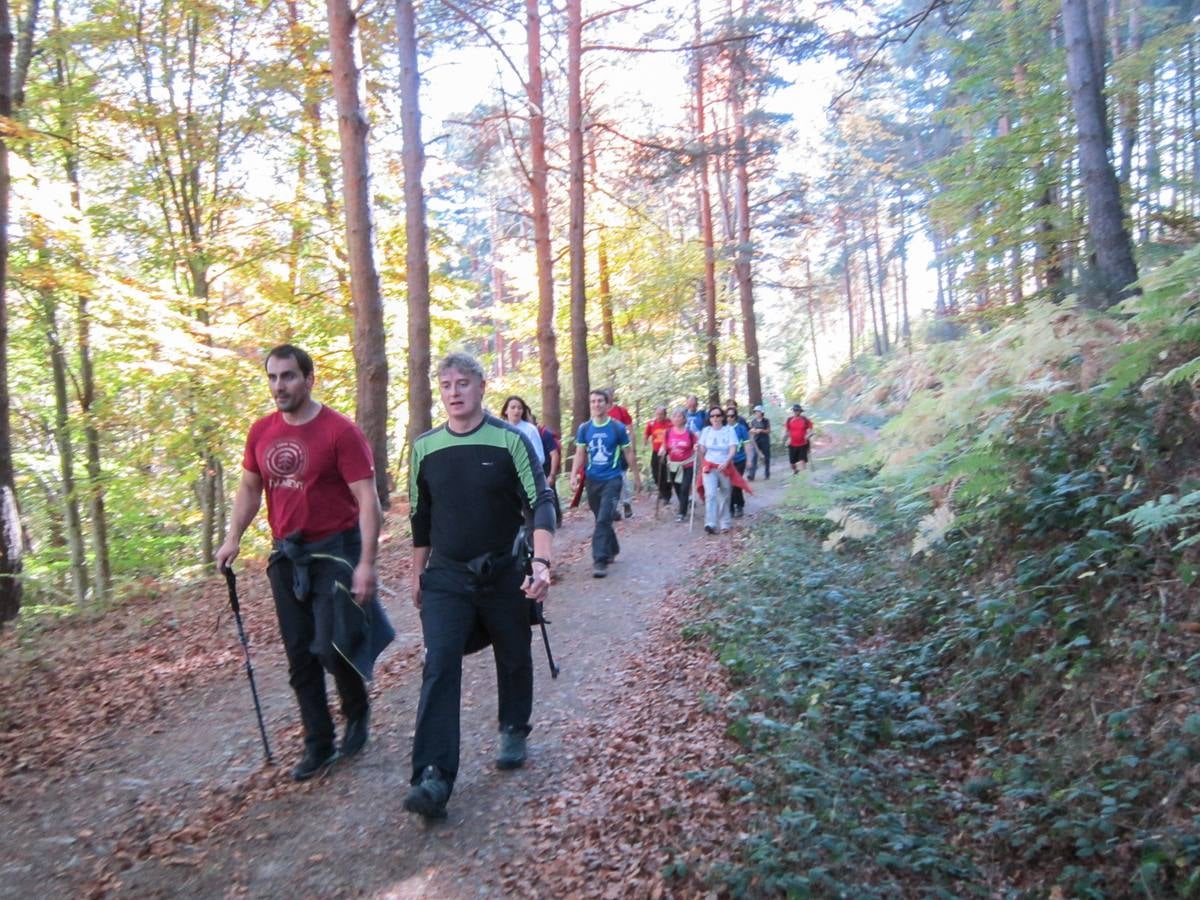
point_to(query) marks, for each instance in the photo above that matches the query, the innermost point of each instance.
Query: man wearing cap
(760, 434)
(798, 427)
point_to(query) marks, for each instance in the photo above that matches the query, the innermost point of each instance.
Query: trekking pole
(694, 491)
(231, 582)
(541, 617)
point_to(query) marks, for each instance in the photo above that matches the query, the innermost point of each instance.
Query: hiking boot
(357, 730)
(314, 762)
(628, 510)
(512, 749)
(708, 529)
(599, 568)
(679, 517)
(428, 796)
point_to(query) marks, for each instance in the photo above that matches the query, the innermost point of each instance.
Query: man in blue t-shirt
(599, 445)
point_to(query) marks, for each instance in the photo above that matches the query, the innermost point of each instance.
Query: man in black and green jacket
(476, 483)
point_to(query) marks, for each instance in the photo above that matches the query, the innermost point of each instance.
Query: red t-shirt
(655, 431)
(681, 445)
(798, 428)
(621, 414)
(306, 472)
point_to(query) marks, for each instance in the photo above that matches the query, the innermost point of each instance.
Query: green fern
(1165, 512)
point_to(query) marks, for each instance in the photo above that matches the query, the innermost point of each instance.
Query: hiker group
(716, 443)
(483, 512)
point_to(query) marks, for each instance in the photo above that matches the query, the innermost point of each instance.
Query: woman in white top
(718, 442)
(516, 413)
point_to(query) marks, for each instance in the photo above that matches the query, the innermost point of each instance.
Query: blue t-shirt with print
(603, 443)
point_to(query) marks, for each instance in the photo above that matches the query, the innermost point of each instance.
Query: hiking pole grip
(231, 583)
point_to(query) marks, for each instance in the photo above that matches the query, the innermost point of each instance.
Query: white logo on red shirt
(284, 461)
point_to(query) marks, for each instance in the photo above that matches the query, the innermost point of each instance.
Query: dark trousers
(737, 497)
(307, 630)
(662, 475)
(603, 497)
(763, 443)
(683, 489)
(450, 607)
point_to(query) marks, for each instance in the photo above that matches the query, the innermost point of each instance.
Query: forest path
(147, 779)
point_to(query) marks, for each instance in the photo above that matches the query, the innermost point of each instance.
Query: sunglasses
(716, 415)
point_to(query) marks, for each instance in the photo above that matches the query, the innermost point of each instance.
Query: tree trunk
(849, 288)
(706, 230)
(812, 321)
(370, 353)
(420, 393)
(66, 452)
(1106, 216)
(10, 517)
(86, 380)
(579, 331)
(540, 198)
(604, 283)
(881, 271)
(868, 278)
(742, 199)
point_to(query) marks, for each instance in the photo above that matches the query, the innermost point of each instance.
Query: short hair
(463, 362)
(526, 415)
(600, 392)
(288, 351)
(678, 411)
(660, 408)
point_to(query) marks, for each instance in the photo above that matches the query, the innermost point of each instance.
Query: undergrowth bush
(993, 690)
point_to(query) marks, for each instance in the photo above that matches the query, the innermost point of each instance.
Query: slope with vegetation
(967, 662)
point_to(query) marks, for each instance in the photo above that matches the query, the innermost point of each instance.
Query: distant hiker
(600, 444)
(474, 482)
(324, 513)
(656, 429)
(760, 436)
(737, 497)
(680, 444)
(621, 414)
(697, 418)
(718, 442)
(552, 466)
(799, 427)
(516, 413)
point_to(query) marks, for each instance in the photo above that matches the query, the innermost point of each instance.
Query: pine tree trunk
(604, 282)
(539, 196)
(881, 272)
(370, 355)
(420, 393)
(869, 279)
(812, 323)
(741, 146)
(580, 374)
(1106, 215)
(706, 230)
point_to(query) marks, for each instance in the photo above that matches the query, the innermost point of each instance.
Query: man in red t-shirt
(319, 476)
(798, 427)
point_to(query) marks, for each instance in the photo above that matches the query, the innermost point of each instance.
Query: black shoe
(314, 762)
(429, 795)
(708, 529)
(512, 749)
(357, 731)
(628, 510)
(599, 569)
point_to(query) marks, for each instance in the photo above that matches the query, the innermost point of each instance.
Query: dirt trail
(170, 797)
